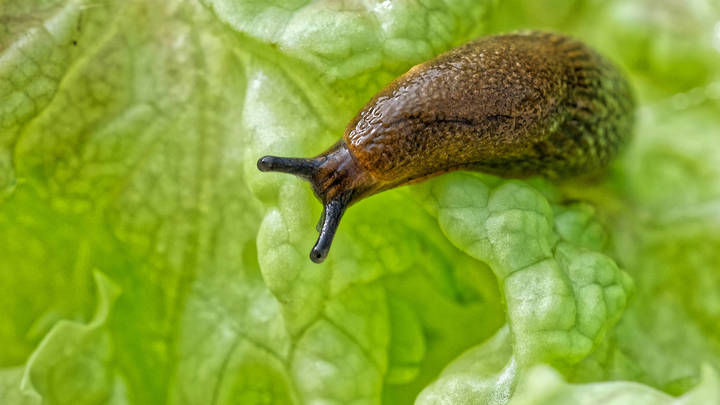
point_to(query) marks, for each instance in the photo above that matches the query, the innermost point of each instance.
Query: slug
(513, 105)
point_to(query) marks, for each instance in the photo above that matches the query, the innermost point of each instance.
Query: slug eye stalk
(298, 166)
(330, 219)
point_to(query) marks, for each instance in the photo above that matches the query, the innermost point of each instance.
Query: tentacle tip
(317, 255)
(264, 164)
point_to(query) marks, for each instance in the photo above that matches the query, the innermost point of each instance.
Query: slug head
(337, 181)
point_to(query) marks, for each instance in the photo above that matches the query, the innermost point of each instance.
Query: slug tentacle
(298, 166)
(332, 213)
(337, 179)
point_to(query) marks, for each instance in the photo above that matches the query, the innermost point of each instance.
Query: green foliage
(145, 260)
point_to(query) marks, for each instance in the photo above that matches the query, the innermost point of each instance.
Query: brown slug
(513, 105)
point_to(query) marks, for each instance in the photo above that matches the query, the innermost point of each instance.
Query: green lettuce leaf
(545, 386)
(145, 260)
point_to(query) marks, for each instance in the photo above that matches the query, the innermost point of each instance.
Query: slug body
(514, 105)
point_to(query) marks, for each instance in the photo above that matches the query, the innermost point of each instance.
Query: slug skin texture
(513, 105)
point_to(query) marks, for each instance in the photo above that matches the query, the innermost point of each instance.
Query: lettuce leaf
(145, 260)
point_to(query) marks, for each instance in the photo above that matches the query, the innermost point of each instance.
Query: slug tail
(330, 218)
